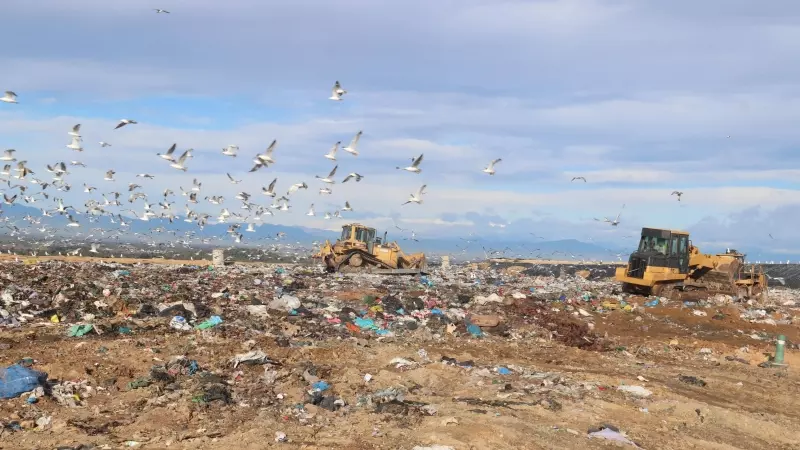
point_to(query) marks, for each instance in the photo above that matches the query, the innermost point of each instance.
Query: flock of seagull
(163, 207)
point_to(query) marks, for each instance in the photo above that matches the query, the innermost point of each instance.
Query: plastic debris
(16, 380)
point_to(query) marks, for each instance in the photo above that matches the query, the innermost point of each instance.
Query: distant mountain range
(460, 248)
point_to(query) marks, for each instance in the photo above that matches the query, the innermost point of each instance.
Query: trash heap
(242, 328)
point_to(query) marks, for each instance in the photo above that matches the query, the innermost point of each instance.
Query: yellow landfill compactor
(358, 250)
(666, 260)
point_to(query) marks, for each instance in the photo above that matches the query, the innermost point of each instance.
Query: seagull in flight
(351, 148)
(168, 156)
(77, 163)
(337, 92)
(230, 150)
(75, 144)
(104, 144)
(270, 191)
(414, 167)
(332, 154)
(347, 207)
(10, 97)
(267, 156)
(145, 175)
(490, 168)
(160, 11)
(578, 178)
(232, 180)
(311, 211)
(614, 222)
(124, 122)
(181, 161)
(296, 186)
(109, 175)
(8, 155)
(75, 131)
(678, 193)
(416, 198)
(353, 175)
(329, 179)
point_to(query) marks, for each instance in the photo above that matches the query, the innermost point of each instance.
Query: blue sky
(641, 97)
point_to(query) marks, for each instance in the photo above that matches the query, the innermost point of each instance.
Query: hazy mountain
(456, 246)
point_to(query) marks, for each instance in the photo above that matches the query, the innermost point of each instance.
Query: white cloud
(556, 88)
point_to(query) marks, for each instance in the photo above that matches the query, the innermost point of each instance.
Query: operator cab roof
(660, 231)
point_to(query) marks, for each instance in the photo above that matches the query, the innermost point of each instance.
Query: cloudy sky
(641, 97)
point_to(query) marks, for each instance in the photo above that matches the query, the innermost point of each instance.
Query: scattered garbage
(692, 380)
(636, 391)
(610, 433)
(16, 380)
(155, 337)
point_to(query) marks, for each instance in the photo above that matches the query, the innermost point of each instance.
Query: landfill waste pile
(105, 355)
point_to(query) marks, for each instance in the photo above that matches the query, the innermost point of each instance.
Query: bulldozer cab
(359, 233)
(660, 248)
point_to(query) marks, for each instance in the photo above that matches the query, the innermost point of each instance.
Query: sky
(640, 97)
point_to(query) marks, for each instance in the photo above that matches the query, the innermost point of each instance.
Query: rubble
(228, 349)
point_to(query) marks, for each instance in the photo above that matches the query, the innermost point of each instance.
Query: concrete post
(445, 262)
(218, 258)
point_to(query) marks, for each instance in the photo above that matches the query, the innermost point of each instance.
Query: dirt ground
(742, 406)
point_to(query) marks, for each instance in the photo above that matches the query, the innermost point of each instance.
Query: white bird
(353, 175)
(416, 198)
(310, 211)
(145, 175)
(678, 193)
(75, 131)
(266, 157)
(180, 164)
(104, 144)
(296, 186)
(325, 191)
(8, 155)
(77, 163)
(614, 222)
(232, 180)
(109, 175)
(270, 191)
(329, 179)
(196, 185)
(72, 221)
(75, 144)
(490, 168)
(159, 11)
(578, 178)
(230, 150)
(251, 228)
(337, 92)
(93, 249)
(352, 147)
(124, 122)
(414, 167)
(168, 155)
(332, 154)
(347, 207)
(10, 97)
(327, 216)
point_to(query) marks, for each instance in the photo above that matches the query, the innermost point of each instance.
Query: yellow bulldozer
(358, 250)
(666, 261)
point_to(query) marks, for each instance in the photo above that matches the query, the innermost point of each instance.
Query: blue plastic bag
(16, 380)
